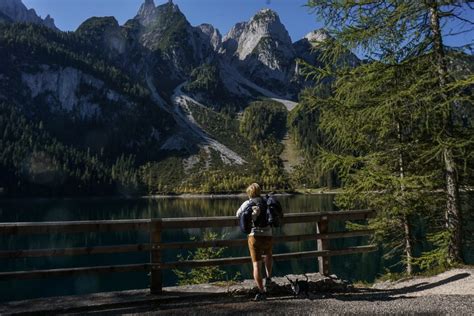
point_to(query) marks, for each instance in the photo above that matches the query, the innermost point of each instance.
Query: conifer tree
(396, 121)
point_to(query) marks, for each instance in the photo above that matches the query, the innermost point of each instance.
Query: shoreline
(166, 196)
(321, 191)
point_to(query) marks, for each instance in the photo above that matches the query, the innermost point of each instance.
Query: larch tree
(399, 123)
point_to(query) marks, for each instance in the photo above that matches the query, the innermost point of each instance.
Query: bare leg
(257, 276)
(268, 265)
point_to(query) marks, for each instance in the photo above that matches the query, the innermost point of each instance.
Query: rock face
(146, 13)
(212, 35)
(205, 43)
(18, 12)
(262, 50)
(106, 31)
(317, 36)
(265, 24)
(61, 87)
(165, 30)
(5, 18)
(307, 49)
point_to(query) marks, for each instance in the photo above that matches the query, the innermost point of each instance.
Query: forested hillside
(100, 132)
(102, 118)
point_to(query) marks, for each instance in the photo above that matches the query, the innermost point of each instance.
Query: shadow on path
(180, 303)
(393, 294)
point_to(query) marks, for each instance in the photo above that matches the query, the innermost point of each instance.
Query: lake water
(353, 267)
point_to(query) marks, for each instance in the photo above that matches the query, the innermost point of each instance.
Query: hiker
(260, 239)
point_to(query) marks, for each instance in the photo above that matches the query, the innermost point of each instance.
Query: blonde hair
(253, 190)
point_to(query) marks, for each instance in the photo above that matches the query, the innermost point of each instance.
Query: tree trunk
(408, 247)
(453, 212)
(405, 219)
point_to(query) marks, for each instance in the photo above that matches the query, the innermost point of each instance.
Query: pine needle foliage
(399, 127)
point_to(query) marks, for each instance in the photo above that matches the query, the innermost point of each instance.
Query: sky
(222, 14)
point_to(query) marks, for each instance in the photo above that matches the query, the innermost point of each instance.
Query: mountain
(5, 18)
(262, 50)
(105, 31)
(164, 28)
(152, 105)
(16, 11)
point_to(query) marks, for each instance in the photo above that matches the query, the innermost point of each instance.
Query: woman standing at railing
(260, 240)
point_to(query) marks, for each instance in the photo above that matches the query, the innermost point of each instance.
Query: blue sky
(223, 14)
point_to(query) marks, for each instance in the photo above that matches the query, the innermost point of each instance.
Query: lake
(353, 267)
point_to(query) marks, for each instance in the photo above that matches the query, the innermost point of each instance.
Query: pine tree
(394, 120)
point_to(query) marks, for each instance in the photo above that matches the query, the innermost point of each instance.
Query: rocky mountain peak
(146, 12)
(267, 21)
(18, 12)
(149, 13)
(49, 22)
(261, 49)
(243, 38)
(265, 15)
(213, 35)
(317, 36)
(104, 30)
(235, 33)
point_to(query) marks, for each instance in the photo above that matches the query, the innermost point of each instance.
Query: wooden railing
(155, 247)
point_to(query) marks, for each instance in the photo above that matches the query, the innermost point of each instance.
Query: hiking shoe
(269, 284)
(260, 297)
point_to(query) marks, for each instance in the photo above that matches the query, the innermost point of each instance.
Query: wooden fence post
(155, 256)
(322, 227)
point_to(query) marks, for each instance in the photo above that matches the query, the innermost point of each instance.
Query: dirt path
(334, 305)
(453, 282)
(451, 293)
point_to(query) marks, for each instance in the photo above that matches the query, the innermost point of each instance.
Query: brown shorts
(260, 245)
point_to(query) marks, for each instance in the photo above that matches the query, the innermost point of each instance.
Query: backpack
(274, 211)
(245, 220)
(270, 214)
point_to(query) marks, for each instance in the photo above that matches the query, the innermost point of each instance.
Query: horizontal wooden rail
(276, 257)
(74, 226)
(178, 264)
(332, 235)
(72, 271)
(31, 253)
(276, 240)
(167, 223)
(290, 218)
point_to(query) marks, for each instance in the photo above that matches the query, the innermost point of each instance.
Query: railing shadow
(392, 294)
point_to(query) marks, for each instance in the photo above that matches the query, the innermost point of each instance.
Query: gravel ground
(365, 304)
(450, 293)
(453, 282)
